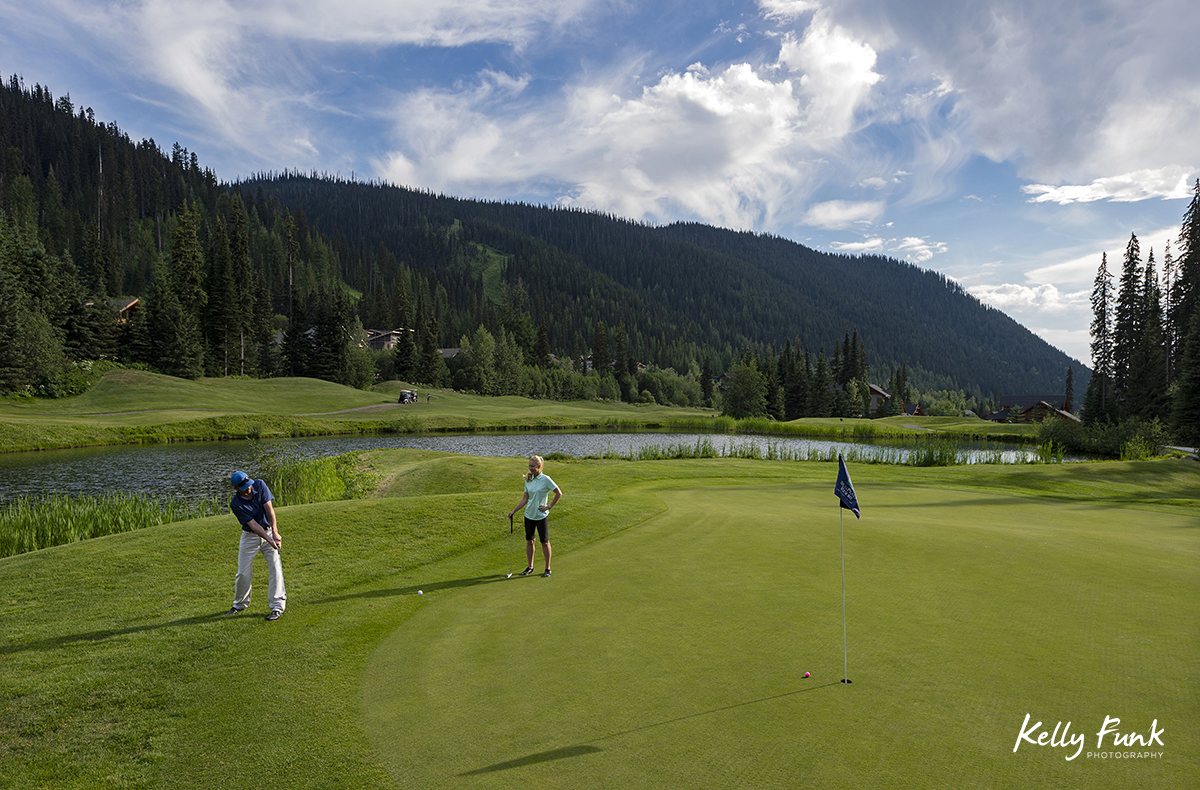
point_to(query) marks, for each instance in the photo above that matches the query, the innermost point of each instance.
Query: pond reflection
(203, 468)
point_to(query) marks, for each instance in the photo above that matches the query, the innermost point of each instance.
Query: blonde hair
(540, 463)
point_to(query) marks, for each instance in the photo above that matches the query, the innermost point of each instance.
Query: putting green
(672, 654)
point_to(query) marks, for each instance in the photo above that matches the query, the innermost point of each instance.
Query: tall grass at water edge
(918, 452)
(29, 523)
(295, 480)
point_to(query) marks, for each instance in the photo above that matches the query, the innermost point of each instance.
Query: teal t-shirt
(539, 489)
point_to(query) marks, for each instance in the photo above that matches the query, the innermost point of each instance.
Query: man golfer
(252, 507)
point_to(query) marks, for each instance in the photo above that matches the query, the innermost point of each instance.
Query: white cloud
(1044, 298)
(1073, 267)
(873, 245)
(1168, 182)
(720, 147)
(837, 73)
(787, 10)
(838, 214)
(737, 146)
(919, 250)
(910, 248)
(1067, 91)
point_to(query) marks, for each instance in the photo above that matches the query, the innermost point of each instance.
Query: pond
(202, 468)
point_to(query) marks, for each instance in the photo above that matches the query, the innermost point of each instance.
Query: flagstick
(845, 654)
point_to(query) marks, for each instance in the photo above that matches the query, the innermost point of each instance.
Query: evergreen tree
(706, 381)
(541, 347)
(601, 355)
(1147, 390)
(1185, 412)
(480, 352)
(1098, 401)
(431, 366)
(773, 390)
(222, 315)
(821, 395)
(1170, 331)
(405, 351)
(516, 319)
(244, 336)
(1069, 399)
(509, 361)
(183, 313)
(1185, 291)
(297, 343)
(1126, 323)
(178, 346)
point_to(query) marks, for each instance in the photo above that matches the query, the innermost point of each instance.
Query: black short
(542, 525)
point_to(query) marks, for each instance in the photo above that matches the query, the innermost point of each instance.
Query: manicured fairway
(668, 649)
(672, 654)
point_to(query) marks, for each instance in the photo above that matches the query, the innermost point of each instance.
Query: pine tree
(621, 365)
(244, 337)
(1147, 391)
(430, 362)
(183, 353)
(178, 345)
(222, 314)
(509, 361)
(821, 398)
(706, 381)
(773, 390)
(1185, 295)
(601, 355)
(1098, 401)
(1185, 408)
(1126, 323)
(541, 347)
(1069, 398)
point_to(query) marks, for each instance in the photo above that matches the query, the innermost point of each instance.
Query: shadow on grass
(587, 748)
(534, 759)
(55, 642)
(412, 589)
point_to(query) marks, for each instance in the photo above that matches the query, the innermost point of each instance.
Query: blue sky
(1005, 144)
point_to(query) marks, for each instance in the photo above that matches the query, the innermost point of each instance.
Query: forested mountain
(684, 290)
(86, 215)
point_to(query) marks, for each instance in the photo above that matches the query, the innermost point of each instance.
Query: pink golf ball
(807, 675)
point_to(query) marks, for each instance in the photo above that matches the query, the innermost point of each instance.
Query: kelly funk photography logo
(1111, 743)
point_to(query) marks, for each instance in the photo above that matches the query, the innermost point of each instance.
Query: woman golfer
(537, 511)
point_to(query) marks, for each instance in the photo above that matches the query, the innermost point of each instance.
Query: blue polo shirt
(247, 510)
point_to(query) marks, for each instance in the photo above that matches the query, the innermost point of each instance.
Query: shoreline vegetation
(30, 523)
(135, 407)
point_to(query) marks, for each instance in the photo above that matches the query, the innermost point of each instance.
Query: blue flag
(845, 489)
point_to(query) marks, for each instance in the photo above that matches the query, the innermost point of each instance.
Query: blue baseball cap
(241, 481)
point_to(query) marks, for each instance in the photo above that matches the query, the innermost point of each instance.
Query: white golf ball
(420, 593)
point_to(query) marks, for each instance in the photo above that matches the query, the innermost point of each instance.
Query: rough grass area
(668, 649)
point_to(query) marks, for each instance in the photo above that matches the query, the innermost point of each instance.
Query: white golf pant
(252, 544)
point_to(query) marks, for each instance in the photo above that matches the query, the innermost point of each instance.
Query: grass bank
(668, 649)
(137, 407)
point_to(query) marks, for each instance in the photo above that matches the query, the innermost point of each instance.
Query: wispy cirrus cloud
(839, 214)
